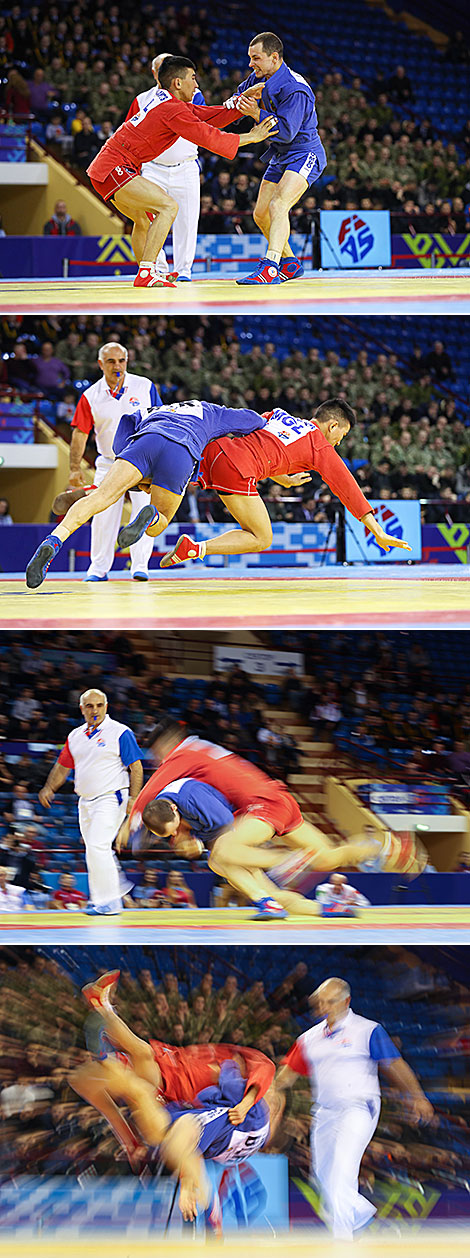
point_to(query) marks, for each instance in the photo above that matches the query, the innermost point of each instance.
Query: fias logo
(355, 238)
(390, 523)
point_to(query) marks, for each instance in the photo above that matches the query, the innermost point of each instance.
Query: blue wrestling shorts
(307, 162)
(161, 461)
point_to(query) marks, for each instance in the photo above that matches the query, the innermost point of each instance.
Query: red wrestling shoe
(99, 993)
(185, 548)
(146, 278)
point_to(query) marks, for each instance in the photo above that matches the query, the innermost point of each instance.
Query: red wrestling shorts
(110, 183)
(276, 807)
(217, 471)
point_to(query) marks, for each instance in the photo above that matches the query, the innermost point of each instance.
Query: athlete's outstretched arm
(332, 469)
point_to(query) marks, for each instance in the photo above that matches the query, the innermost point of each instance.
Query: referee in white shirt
(341, 1056)
(108, 772)
(100, 408)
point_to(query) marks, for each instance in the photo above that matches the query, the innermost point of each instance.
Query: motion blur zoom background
(56, 1149)
(364, 728)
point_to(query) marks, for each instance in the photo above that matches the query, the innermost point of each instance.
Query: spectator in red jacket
(61, 223)
(67, 896)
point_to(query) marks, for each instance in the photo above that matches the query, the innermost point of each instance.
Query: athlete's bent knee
(262, 538)
(216, 859)
(170, 208)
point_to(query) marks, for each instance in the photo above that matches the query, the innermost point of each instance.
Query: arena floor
(408, 924)
(360, 597)
(423, 291)
(430, 1241)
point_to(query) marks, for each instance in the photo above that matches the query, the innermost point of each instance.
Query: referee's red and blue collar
(122, 387)
(89, 731)
(339, 1026)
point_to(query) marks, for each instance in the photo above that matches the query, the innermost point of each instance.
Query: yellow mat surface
(221, 603)
(423, 292)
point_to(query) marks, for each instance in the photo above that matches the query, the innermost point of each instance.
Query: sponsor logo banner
(429, 250)
(446, 543)
(356, 240)
(399, 519)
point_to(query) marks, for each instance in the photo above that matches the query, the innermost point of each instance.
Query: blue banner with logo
(422, 797)
(355, 238)
(253, 1195)
(400, 519)
(294, 546)
(100, 257)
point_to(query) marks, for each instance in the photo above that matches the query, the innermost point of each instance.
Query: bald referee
(108, 773)
(118, 392)
(341, 1056)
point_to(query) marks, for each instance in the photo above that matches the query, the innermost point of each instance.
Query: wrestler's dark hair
(157, 814)
(336, 408)
(173, 68)
(270, 43)
(168, 725)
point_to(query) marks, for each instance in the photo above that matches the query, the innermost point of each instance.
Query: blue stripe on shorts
(162, 461)
(307, 162)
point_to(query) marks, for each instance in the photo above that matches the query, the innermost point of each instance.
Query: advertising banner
(425, 797)
(349, 239)
(43, 257)
(251, 1194)
(270, 663)
(364, 243)
(400, 519)
(294, 546)
(430, 249)
(446, 543)
(407, 1202)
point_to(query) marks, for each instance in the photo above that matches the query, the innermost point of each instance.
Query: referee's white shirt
(342, 1064)
(100, 409)
(100, 757)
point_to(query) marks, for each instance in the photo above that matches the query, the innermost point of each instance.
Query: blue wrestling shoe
(267, 272)
(183, 279)
(41, 561)
(135, 530)
(291, 269)
(269, 910)
(95, 578)
(104, 910)
(140, 576)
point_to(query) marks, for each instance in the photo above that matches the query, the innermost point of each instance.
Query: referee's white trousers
(339, 1139)
(105, 528)
(183, 183)
(99, 820)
